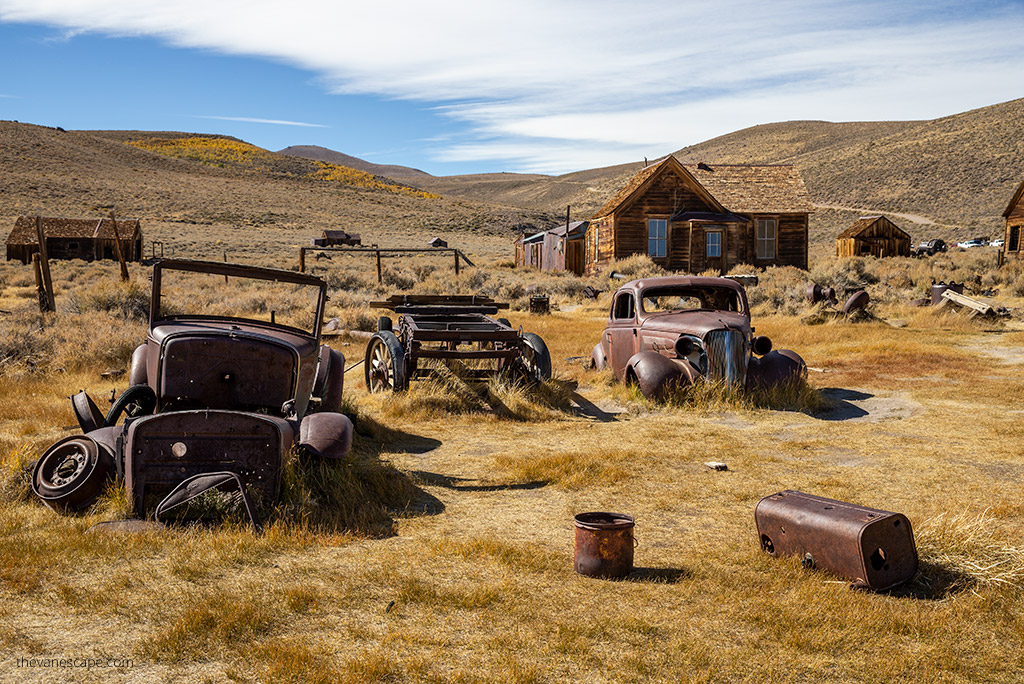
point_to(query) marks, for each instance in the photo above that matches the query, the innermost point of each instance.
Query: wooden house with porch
(70, 238)
(704, 217)
(874, 236)
(1014, 216)
(557, 249)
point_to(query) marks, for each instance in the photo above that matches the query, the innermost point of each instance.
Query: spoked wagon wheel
(534, 358)
(385, 363)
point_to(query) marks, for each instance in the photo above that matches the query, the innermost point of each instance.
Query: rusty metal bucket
(604, 544)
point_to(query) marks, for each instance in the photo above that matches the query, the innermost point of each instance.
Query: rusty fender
(330, 379)
(327, 435)
(137, 374)
(597, 358)
(657, 374)
(775, 368)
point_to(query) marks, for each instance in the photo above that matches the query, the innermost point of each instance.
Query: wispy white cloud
(249, 119)
(564, 84)
(10, 97)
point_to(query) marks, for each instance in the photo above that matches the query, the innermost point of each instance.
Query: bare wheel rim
(382, 367)
(67, 468)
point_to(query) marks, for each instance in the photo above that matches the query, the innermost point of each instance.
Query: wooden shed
(1014, 216)
(558, 249)
(874, 236)
(340, 238)
(69, 238)
(699, 217)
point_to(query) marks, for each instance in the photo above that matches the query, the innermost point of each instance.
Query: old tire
(86, 412)
(330, 379)
(384, 367)
(71, 474)
(137, 400)
(504, 321)
(534, 358)
(384, 323)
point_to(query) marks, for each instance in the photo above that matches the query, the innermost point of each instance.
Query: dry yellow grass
(446, 552)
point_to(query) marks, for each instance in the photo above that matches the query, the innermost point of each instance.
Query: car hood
(697, 323)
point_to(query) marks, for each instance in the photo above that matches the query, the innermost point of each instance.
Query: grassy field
(447, 552)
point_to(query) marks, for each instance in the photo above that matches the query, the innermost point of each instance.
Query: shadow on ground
(455, 483)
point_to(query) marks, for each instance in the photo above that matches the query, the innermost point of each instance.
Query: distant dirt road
(913, 218)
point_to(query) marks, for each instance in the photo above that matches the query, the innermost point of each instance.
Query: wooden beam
(44, 264)
(978, 307)
(40, 287)
(117, 246)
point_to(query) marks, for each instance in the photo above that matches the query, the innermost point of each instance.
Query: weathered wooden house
(874, 236)
(557, 249)
(1014, 216)
(438, 243)
(700, 217)
(68, 238)
(339, 238)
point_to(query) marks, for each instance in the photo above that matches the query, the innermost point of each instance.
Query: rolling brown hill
(200, 205)
(957, 171)
(401, 173)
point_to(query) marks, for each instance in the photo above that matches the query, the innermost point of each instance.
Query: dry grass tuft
(959, 551)
(572, 470)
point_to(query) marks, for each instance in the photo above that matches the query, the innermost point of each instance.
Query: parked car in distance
(672, 331)
(973, 242)
(930, 247)
(996, 243)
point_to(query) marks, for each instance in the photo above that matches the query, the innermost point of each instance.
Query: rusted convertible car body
(209, 393)
(672, 331)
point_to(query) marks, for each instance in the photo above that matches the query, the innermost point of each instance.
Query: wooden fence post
(380, 273)
(117, 246)
(302, 259)
(40, 288)
(44, 263)
(456, 262)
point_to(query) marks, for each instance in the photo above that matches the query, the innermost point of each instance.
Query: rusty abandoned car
(449, 329)
(213, 399)
(673, 331)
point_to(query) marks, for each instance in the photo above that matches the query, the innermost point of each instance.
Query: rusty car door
(622, 332)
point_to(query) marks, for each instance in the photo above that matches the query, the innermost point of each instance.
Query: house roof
(1015, 200)
(865, 222)
(24, 232)
(755, 189)
(575, 228)
(737, 188)
(338, 234)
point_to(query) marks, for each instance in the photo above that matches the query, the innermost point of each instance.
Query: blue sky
(460, 87)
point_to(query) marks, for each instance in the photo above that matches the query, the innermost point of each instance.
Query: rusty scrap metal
(938, 288)
(197, 485)
(72, 473)
(604, 544)
(870, 547)
(857, 301)
(540, 304)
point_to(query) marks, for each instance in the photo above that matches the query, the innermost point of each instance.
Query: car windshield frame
(689, 291)
(253, 273)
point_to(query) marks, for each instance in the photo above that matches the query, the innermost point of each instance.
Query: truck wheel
(71, 473)
(535, 358)
(384, 366)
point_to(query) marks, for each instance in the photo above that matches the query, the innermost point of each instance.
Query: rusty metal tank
(939, 288)
(870, 547)
(604, 544)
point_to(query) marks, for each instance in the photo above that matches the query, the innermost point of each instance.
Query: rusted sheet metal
(197, 485)
(870, 547)
(604, 544)
(163, 450)
(939, 288)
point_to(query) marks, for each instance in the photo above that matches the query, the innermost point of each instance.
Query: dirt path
(913, 218)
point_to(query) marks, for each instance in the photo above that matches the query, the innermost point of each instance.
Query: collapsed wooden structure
(700, 217)
(874, 236)
(75, 238)
(558, 249)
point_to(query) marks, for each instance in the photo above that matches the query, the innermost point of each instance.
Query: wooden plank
(44, 264)
(975, 305)
(117, 246)
(40, 288)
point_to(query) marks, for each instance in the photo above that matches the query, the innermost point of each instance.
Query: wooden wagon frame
(448, 329)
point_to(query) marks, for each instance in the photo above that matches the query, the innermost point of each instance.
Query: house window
(767, 232)
(592, 245)
(624, 307)
(1013, 243)
(713, 244)
(657, 230)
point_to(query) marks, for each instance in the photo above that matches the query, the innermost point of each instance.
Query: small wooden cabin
(339, 238)
(699, 217)
(874, 236)
(438, 243)
(68, 238)
(1014, 216)
(558, 249)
